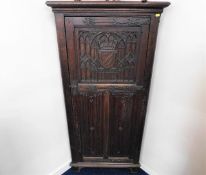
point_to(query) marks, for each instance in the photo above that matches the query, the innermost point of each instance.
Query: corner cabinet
(106, 52)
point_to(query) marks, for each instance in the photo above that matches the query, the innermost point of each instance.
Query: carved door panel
(106, 58)
(91, 124)
(126, 118)
(120, 124)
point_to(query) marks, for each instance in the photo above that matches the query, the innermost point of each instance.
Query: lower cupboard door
(110, 126)
(91, 125)
(125, 126)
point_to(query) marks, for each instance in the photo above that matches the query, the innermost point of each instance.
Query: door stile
(72, 121)
(106, 113)
(73, 87)
(71, 52)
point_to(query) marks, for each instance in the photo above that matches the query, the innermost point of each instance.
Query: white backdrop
(33, 130)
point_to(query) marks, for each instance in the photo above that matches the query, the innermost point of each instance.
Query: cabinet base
(132, 166)
(134, 170)
(76, 169)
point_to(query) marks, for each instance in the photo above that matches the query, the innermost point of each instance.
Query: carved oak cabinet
(106, 52)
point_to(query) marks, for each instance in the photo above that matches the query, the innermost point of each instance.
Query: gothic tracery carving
(107, 51)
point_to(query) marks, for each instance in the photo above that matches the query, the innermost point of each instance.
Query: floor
(93, 171)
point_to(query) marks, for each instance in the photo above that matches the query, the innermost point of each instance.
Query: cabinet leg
(134, 170)
(76, 169)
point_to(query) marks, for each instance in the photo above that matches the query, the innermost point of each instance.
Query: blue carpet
(104, 171)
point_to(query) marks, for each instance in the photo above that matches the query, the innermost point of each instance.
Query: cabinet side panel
(151, 48)
(74, 139)
(147, 80)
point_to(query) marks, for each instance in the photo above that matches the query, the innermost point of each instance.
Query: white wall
(33, 131)
(174, 141)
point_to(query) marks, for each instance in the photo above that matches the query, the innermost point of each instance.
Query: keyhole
(91, 128)
(120, 128)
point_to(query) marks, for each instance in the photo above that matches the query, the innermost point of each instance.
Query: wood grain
(106, 52)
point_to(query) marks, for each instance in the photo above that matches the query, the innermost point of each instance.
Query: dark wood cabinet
(106, 52)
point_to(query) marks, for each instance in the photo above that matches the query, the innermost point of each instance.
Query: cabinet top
(107, 4)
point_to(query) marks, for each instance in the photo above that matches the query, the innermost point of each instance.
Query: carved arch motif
(108, 51)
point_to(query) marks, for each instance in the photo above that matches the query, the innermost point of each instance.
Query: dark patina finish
(106, 52)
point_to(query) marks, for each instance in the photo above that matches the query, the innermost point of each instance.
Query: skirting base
(104, 165)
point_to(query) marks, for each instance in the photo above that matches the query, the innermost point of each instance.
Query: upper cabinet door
(106, 66)
(107, 49)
